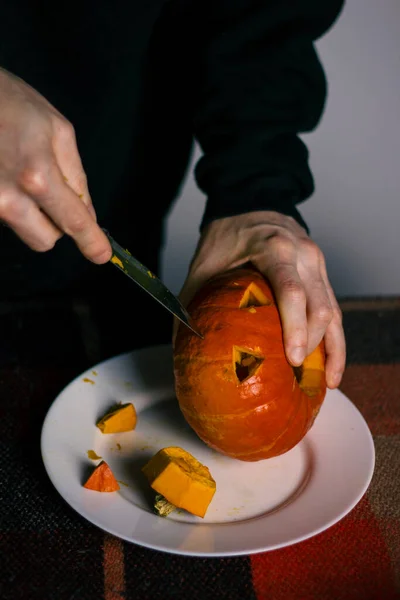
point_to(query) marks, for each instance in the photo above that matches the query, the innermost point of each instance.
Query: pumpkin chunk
(246, 364)
(119, 419)
(180, 481)
(253, 296)
(102, 479)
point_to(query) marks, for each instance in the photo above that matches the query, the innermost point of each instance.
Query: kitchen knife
(141, 275)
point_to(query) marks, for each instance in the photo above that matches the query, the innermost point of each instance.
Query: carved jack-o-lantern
(235, 387)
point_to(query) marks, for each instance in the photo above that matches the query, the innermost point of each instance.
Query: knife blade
(143, 277)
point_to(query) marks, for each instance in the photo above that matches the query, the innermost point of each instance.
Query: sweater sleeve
(259, 84)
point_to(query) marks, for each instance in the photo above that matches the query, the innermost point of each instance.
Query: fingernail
(297, 356)
(336, 378)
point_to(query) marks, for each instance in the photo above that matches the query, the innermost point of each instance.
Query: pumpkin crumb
(95, 373)
(92, 455)
(116, 261)
(87, 380)
(119, 446)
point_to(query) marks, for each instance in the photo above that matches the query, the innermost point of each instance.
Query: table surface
(47, 551)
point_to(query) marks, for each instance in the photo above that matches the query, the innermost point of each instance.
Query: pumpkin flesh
(180, 480)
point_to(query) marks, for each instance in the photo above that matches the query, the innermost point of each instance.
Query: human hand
(43, 187)
(294, 265)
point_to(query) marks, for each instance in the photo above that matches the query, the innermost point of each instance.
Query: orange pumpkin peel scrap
(102, 479)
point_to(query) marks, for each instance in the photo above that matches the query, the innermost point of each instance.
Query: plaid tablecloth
(48, 552)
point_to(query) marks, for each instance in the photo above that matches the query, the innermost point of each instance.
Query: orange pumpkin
(235, 387)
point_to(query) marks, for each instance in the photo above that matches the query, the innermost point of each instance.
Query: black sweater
(140, 80)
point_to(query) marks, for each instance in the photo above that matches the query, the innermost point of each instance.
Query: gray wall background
(354, 214)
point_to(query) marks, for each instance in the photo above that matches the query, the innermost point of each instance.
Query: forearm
(259, 85)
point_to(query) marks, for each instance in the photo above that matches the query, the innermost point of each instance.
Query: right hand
(43, 187)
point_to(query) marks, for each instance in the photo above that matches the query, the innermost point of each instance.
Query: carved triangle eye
(253, 296)
(246, 364)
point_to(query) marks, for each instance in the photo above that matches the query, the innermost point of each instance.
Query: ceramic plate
(257, 506)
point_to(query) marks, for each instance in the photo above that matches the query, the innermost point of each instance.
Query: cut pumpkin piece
(119, 419)
(102, 479)
(246, 364)
(311, 374)
(180, 481)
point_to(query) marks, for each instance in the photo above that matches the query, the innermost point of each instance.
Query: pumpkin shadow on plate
(133, 483)
(176, 430)
(154, 366)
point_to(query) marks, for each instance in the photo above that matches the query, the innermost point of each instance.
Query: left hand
(295, 267)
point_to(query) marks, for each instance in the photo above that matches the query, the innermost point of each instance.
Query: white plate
(257, 506)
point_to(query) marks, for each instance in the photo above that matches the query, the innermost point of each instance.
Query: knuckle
(280, 244)
(324, 313)
(66, 129)
(77, 225)
(80, 181)
(309, 245)
(82, 178)
(293, 290)
(310, 249)
(337, 315)
(11, 210)
(47, 243)
(5, 201)
(33, 179)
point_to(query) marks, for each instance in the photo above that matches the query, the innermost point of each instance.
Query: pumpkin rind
(270, 411)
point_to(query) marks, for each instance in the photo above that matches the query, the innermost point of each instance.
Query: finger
(44, 182)
(335, 347)
(319, 309)
(279, 266)
(70, 163)
(335, 340)
(24, 217)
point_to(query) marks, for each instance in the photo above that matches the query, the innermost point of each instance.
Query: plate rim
(191, 552)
